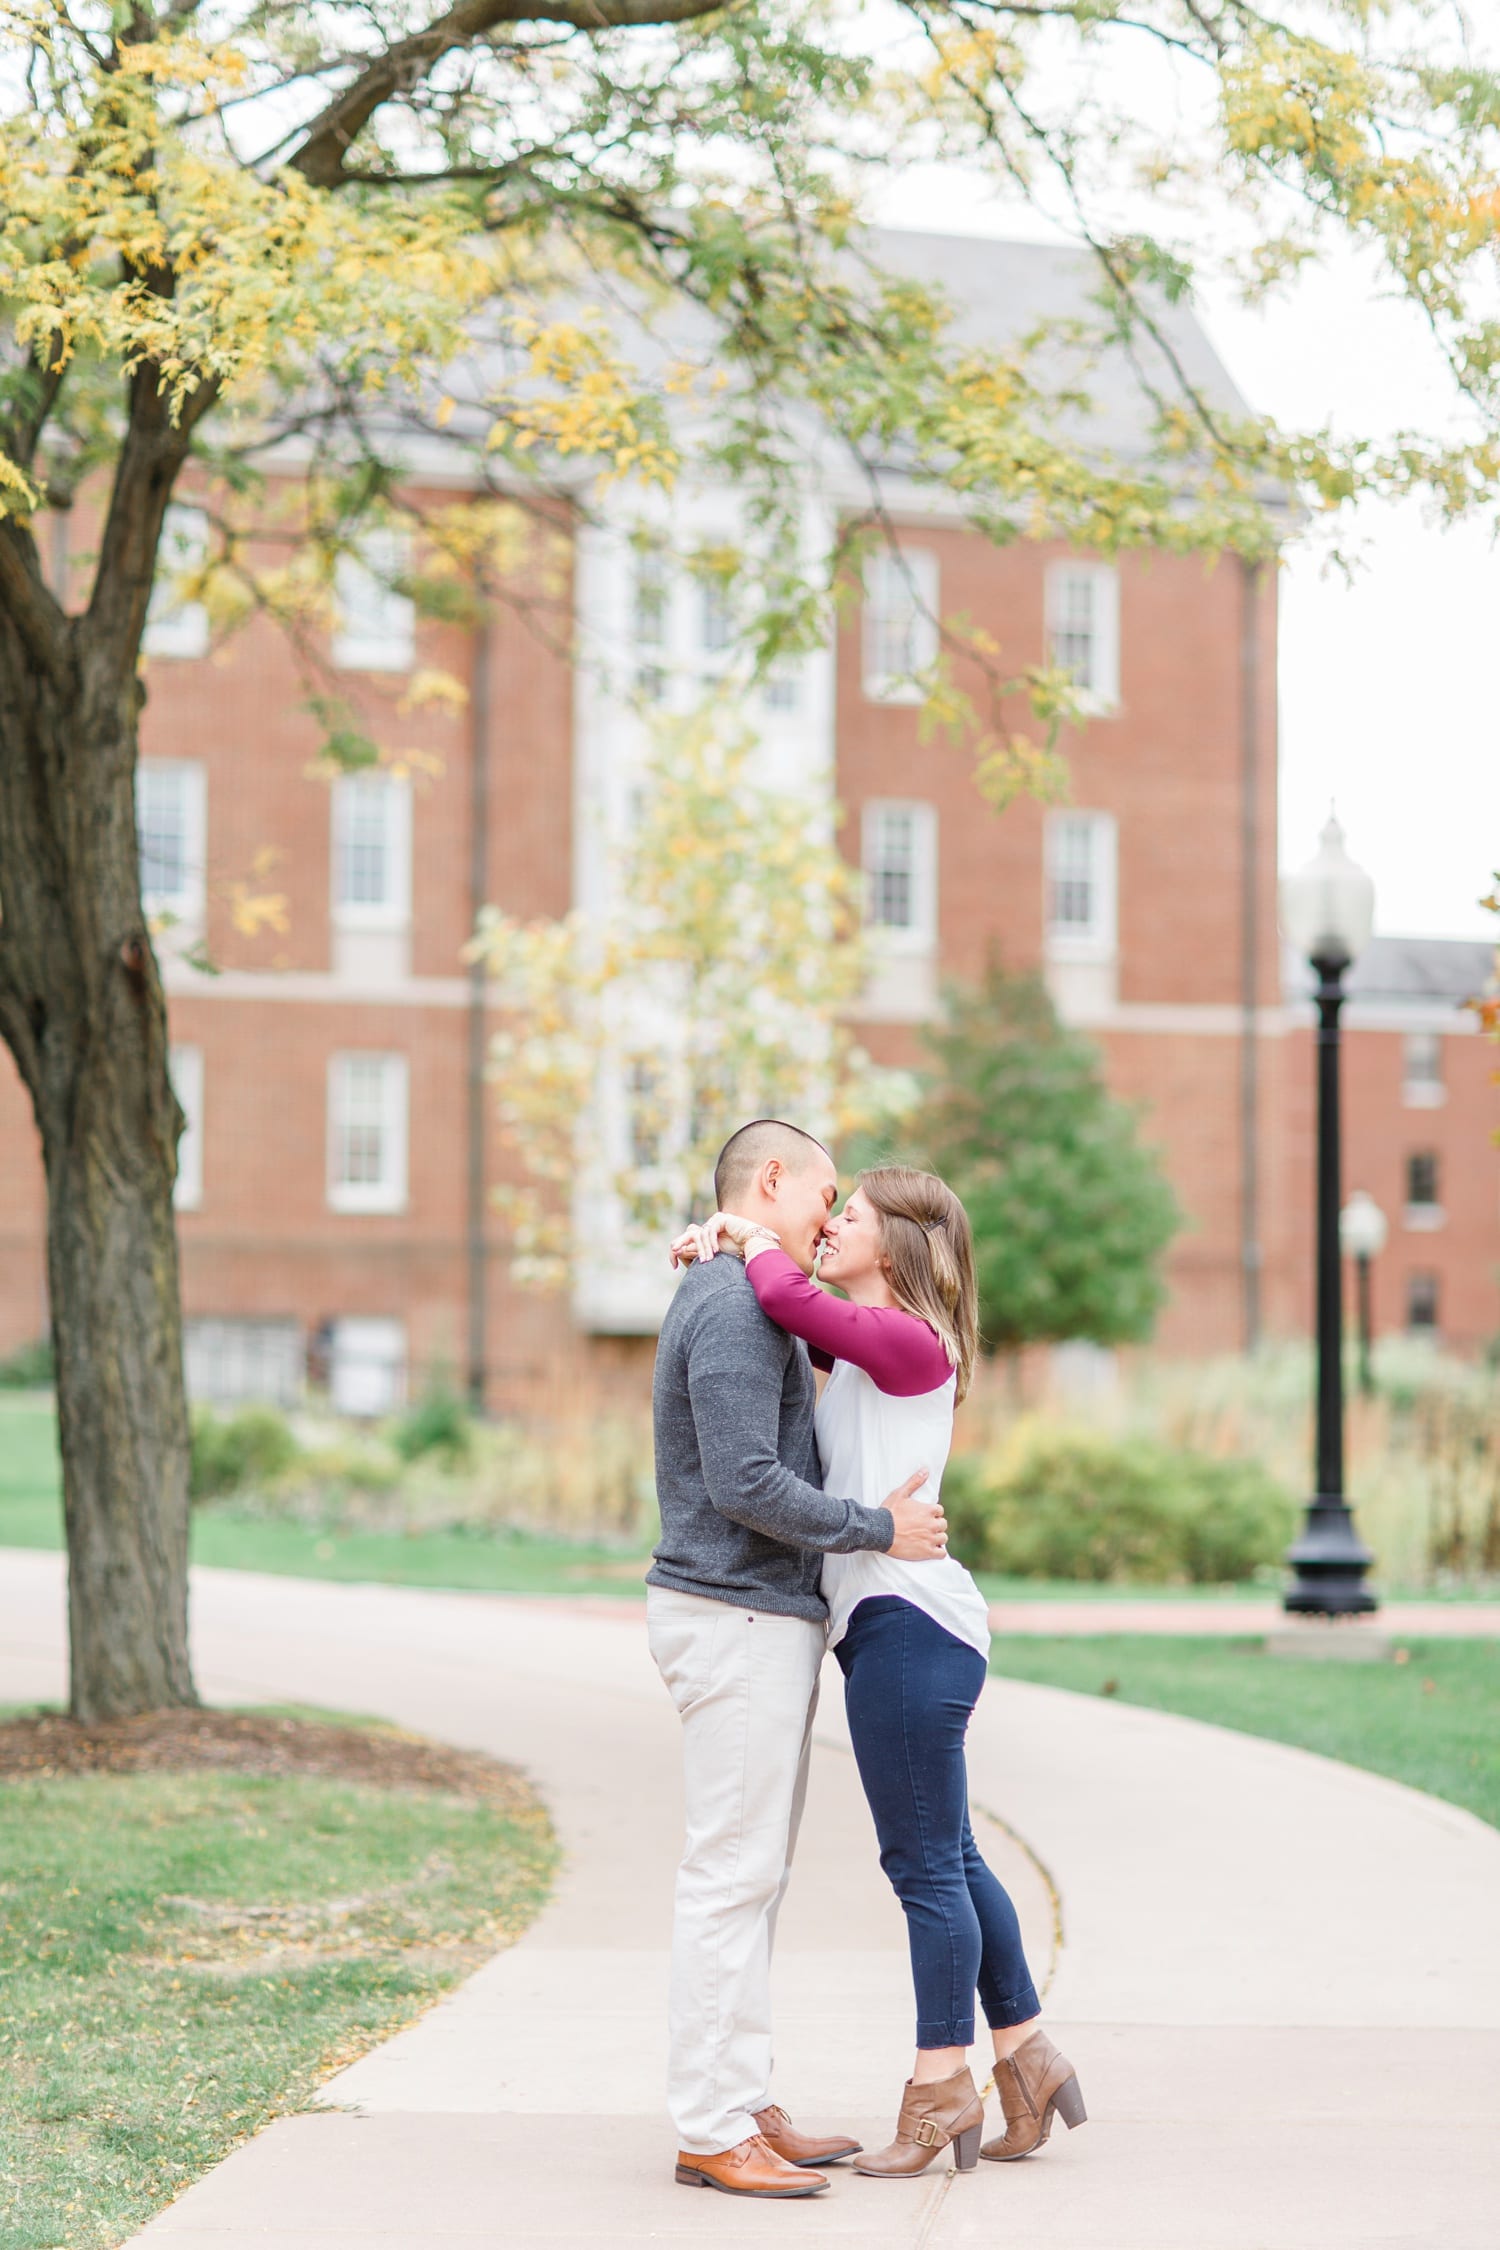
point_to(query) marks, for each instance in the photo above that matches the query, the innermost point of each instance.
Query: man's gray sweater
(744, 1517)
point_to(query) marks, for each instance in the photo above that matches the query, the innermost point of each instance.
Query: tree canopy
(267, 234)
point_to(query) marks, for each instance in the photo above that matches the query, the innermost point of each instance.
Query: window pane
(377, 621)
(1073, 904)
(175, 627)
(366, 859)
(892, 871)
(1422, 1177)
(650, 598)
(244, 1359)
(1422, 1300)
(717, 619)
(900, 630)
(1075, 626)
(162, 824)
(1424, 1058)
(367, 1366)
(185, 1065)
(360, 1146)
(645, 1116)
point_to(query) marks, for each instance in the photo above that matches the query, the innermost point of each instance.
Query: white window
(170, 822)
(229, 1360)
(371, 849)
(650, 621)
(1080, 885)
(367, 1367)
(715, 618)
(175, 627)
(646, 1091)
(900, 623)
(367, 1097)
(900, 864)
(1083, 629)
(1422, 1070)
(377, 623)
(781, 690)
(186, 1068)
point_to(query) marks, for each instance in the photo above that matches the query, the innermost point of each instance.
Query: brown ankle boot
(1032, 2083)
(931, 2117)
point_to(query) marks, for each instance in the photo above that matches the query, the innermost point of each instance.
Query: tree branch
(330, 137)
(29, 602)
(153, 451)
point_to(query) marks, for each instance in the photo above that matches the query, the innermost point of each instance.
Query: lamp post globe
(1328, 912)
(1328, 905)
(1362, 1227)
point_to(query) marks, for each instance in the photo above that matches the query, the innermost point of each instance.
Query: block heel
(687, 2177)
(1068, 2102)
(966, 2148)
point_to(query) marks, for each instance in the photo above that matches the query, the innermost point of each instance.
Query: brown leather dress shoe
(932, 2116)
(778, 2131)
(753, 2168)
(1033, 2083)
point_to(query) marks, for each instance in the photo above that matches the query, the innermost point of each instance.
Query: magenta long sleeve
(900, 1354)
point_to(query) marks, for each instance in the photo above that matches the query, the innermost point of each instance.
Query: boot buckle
(926, 2134)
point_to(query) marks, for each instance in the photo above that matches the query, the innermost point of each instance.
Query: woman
(912, 1640)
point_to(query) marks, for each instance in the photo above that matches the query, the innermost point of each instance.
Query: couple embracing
(792, 1524)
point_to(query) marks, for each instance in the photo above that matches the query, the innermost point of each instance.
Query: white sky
(1390, 686)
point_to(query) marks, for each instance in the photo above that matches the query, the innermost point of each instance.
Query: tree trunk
(82, 1009)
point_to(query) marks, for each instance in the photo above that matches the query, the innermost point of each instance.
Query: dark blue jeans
(910, 1688)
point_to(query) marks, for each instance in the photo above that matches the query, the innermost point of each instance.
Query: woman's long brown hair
(928, 1247)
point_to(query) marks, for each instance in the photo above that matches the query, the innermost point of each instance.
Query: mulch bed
(49, 1744)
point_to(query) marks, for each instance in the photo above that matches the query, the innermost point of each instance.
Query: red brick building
(333, 1191)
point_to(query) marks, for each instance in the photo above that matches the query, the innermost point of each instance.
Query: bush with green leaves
(29, 1368)
(1075, 1504)
(251, 1448)
(438, 1423)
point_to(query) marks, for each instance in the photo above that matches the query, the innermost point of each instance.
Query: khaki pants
(745, 1684)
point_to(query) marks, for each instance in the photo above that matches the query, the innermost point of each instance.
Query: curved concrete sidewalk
(1279, 1978)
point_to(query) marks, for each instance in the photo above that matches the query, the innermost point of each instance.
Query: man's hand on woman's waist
(921, 1526)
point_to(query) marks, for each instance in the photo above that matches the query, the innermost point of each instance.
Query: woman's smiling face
(851, 1243)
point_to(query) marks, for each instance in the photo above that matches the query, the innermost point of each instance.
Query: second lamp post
(1362, 1233)
(1328, 911)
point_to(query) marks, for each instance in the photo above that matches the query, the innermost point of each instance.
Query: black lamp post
(1362, 1234)
(1328, 910)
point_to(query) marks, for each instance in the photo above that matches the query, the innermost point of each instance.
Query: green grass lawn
(184, 1955)
(502, 1561)
(1432, 1720)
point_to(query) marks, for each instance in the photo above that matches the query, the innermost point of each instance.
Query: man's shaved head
(753, 1146)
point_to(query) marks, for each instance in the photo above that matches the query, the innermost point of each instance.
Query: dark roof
(1422, 970)
(1393, 968)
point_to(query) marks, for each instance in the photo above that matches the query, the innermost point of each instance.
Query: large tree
(262, 232)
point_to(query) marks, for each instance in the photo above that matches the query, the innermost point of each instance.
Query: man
(736, 1625)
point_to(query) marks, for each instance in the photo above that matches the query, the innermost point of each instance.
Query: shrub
(29, 1368)
(1075, 1505)
(437, 1424)
(250, 1448)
